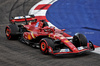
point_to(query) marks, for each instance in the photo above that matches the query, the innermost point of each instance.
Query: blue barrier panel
(81, 16)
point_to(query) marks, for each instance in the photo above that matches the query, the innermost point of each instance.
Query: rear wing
(28, 18)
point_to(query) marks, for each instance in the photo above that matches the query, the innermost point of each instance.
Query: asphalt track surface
(14, 53)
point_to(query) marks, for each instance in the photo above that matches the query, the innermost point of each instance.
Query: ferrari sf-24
(49, 39)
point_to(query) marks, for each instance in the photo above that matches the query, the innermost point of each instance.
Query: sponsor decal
(66, 41)
(80, 48)
(32, 35)
(62, 38)
(49, 35)
(29, 37)
(64, 50)
(67, 50)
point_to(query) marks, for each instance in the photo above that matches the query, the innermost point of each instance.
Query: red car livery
(49, 39)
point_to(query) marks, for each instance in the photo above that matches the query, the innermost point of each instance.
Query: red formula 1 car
(48, 39)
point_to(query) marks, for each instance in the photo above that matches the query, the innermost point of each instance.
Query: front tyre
(79, 40)
(44, 44)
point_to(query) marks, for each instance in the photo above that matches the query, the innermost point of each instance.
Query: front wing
(67, 51)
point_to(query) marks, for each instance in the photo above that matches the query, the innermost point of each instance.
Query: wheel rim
(43, 46)
(8, 31)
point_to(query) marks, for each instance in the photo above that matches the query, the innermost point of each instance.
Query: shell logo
(66, 41)
(29, 37)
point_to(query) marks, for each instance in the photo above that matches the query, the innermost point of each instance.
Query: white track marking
(41, 2)
(47, 1)
(97, 50)
(39, 12)
(50, 24)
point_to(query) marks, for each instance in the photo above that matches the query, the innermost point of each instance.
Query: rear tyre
(44, 43)
(10, 32)
(79, 40)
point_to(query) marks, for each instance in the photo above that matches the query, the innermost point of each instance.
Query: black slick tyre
(79, 40)
(11, 32)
